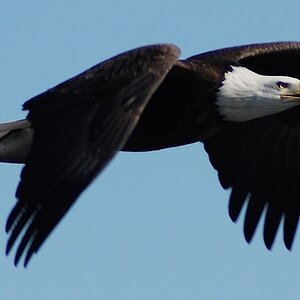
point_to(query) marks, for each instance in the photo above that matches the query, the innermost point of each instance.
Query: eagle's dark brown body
(181, 111)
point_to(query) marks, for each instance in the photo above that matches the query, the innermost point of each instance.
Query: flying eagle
(241, 102)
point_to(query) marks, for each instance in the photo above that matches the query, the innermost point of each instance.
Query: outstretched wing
(259, 159)
(279, 58)
(79, 126)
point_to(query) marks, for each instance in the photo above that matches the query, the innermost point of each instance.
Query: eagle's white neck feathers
(246, 95)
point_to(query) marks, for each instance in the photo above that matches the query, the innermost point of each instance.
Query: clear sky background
(153, 225)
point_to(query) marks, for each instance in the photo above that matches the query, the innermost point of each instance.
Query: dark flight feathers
(258, 159)
(78, 128)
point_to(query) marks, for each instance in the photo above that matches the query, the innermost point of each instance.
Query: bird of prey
(241, 102)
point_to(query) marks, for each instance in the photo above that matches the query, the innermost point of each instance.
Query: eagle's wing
(259, 159)
(79, 126)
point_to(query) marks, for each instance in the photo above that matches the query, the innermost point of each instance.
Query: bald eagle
(241, 102)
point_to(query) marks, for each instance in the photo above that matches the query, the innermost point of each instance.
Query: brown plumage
(146, 99)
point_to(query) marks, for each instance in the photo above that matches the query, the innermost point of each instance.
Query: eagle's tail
(15, 141)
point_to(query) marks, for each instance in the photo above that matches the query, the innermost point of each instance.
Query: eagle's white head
(246, 95)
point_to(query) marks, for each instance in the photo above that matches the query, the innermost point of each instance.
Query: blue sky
(153, 225)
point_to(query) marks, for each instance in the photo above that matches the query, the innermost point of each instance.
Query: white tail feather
(15, 141)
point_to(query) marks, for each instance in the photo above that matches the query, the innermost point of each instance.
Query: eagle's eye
(282, 85)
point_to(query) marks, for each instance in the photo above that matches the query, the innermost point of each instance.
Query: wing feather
(79, 126)
(261, 168)
(258, 159)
